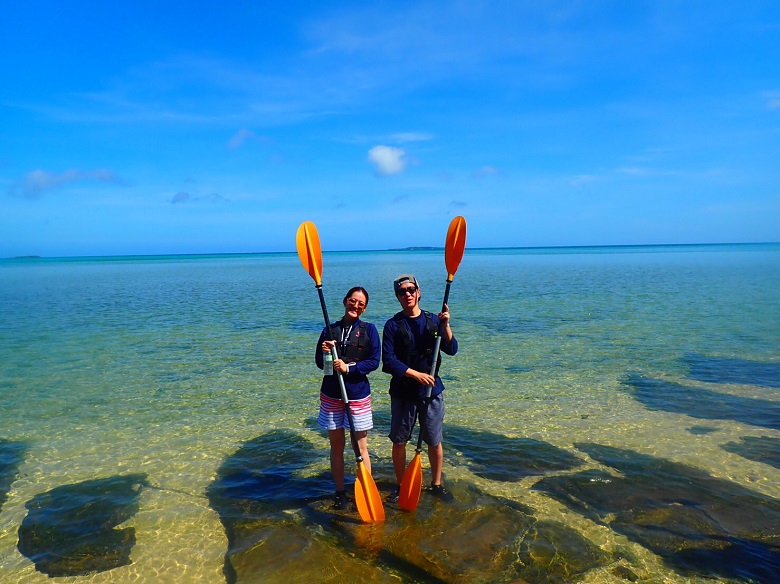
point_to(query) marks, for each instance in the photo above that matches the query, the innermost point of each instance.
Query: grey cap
(403, 279)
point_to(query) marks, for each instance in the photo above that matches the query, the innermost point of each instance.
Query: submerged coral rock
(281, 528)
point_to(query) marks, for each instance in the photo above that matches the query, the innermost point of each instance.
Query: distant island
(416, 248)
(27, 257)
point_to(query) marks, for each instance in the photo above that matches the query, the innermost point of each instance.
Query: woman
(359, 350)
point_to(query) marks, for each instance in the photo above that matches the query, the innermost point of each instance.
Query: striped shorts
(333, 415)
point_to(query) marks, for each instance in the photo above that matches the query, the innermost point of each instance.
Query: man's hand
(421, 378)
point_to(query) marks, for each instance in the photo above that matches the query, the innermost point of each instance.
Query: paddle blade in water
(411, 485)
(455, 245)
(307, 241)
(367, 498)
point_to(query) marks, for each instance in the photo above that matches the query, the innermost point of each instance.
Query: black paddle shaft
(436, 349)
(344, 398)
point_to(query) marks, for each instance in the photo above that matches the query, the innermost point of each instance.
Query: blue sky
(161, 127)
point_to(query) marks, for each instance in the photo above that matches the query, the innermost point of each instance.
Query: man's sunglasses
(404, 291)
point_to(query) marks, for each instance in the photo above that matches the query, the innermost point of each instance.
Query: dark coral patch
(71, 530)
(761, 449)
(501, 458)
(732, 370)
(257, 484)
(700, 525)
(11, 457)
(657, 394)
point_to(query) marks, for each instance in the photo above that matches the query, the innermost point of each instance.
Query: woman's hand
(327, 345)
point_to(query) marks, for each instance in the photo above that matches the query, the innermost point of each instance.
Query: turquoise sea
(613, 415)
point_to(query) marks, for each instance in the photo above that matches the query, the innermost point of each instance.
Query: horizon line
(393, 249)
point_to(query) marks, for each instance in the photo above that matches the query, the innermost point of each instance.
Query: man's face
(408, 295)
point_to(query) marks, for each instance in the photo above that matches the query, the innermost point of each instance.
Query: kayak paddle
(411, 485)
(367, 498)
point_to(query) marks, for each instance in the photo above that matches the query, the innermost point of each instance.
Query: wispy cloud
(387, 160)
(635, 171)
(346, 59)
(243, 136)
(487, 171)
(240, 138)
(37, 183)
(406, 137)
(184, 197)
(583, 179)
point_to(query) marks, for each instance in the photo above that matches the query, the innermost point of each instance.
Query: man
(408, 343)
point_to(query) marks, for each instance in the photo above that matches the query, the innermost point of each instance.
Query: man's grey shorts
(403, 413)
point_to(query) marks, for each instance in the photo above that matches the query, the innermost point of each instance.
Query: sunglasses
(404, 291)
(356, 303)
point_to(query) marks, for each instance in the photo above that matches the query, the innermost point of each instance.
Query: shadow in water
(667, 396)
(761, 449)
(700, 525)
(731, 370)
(501, 458)
(281, 528)
(11, 457)
(70, 530)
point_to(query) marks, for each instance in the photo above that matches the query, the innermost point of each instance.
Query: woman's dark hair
(352, 291)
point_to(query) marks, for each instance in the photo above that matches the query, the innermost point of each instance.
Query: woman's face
(355, 305)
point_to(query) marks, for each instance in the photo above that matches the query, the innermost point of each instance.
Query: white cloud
(38, 182)
(387, 160)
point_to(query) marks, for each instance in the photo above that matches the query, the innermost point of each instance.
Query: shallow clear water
(166, 366)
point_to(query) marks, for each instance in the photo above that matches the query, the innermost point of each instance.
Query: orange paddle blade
(455, 245)
(411, 485)
(367, 498)
(307, 240)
